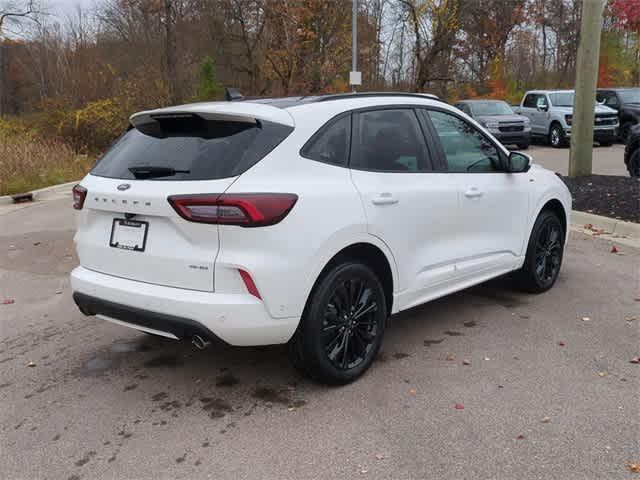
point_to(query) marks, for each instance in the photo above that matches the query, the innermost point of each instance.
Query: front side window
(389, 141)
(331, 144)
(530, 101)
(541, 101)
(466, 149)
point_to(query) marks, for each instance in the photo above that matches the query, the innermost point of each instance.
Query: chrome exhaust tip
(199, 342)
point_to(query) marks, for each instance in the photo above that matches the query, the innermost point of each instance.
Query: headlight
(568, 119)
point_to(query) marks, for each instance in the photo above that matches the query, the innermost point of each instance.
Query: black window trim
(428, 149)
(325, 126)
(435, 140)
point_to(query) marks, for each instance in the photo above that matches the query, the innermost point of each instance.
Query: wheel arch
(372, 255)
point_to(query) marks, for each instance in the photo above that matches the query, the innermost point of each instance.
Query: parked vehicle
(626, 101)
(307, 221)
(551, 113)
(632, 152)
(501, 121)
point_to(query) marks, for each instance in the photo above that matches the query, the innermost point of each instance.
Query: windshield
(561, 99)
(491, 108)
(630, 96)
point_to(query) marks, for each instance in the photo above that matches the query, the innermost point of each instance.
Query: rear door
(127, 227)
(409, 206)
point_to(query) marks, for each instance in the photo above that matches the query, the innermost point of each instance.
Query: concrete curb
(44, 193)
(624, 233)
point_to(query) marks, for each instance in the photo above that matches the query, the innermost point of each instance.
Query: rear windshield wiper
(153, 172)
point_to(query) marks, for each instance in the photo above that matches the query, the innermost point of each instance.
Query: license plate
(129, 234)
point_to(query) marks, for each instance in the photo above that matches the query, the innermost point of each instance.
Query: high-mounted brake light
(242, 209)
(79, 194)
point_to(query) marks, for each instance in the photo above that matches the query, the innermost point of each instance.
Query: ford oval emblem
(124, 186)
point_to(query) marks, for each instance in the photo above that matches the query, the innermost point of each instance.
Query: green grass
(28, 164)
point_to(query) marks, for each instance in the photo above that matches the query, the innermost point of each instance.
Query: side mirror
(542, 108)
(518, 162)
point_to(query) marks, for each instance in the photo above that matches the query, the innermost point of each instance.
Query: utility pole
(580, 156)
(355, 77)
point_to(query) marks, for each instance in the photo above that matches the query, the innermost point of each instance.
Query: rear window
(196, 149)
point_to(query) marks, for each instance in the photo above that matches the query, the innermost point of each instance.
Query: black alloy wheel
(349, 327)
(342, 326)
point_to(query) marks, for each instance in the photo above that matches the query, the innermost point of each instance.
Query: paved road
(606, 160)
(103, 401)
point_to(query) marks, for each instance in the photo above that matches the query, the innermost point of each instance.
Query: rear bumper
(237, 319)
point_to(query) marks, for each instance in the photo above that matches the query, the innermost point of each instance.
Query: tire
(523, 146)
(625, 131)
(633, 164)
(333, 349)
(557, 138)
(544, 254)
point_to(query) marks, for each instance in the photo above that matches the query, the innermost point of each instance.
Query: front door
(491, 218)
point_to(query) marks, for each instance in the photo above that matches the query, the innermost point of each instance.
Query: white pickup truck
(550, 113)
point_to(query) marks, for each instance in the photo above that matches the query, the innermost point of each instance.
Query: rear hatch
(128, 228)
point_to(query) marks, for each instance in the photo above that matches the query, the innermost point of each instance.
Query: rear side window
(331, 143)
(191, 149)
(389, 141)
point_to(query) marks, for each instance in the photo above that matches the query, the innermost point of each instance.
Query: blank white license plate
(129, 234)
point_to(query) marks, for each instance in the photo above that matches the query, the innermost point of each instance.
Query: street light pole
(581, 154)
(354, 42)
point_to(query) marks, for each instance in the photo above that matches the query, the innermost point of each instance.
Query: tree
(12, 13)
(208, 87)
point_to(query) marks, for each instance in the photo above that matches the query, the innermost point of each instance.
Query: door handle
(385, 198)
(473, 192)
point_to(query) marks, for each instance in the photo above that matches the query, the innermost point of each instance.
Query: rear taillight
(242, 209)
(79, 194)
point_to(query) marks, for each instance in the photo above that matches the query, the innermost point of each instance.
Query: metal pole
(581, 154)
(354, 40)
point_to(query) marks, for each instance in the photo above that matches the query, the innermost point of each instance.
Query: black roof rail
(342, 96)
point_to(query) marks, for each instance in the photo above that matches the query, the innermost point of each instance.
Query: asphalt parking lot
(606, 160)
(549, 392)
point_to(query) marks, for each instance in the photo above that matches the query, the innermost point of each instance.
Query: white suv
(307, 220)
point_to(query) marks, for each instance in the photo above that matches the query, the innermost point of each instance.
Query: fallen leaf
(630, 318)
(459, 406)
(614, 249)
(524, 317)
(635, 360)
(412, 391)
(588, 226)
(585, 319)
(546, 420)
(602, 374)
(450, 357)
(291, 409)
(31, 364)
(634, 467)
(520, 437)
(561, 344)
(8, 301)
(59, 292)
(379, 456)
(466, 362)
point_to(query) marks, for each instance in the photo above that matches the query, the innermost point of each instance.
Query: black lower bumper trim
(182, 328)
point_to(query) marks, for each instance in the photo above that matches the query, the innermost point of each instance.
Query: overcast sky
(65, 7)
